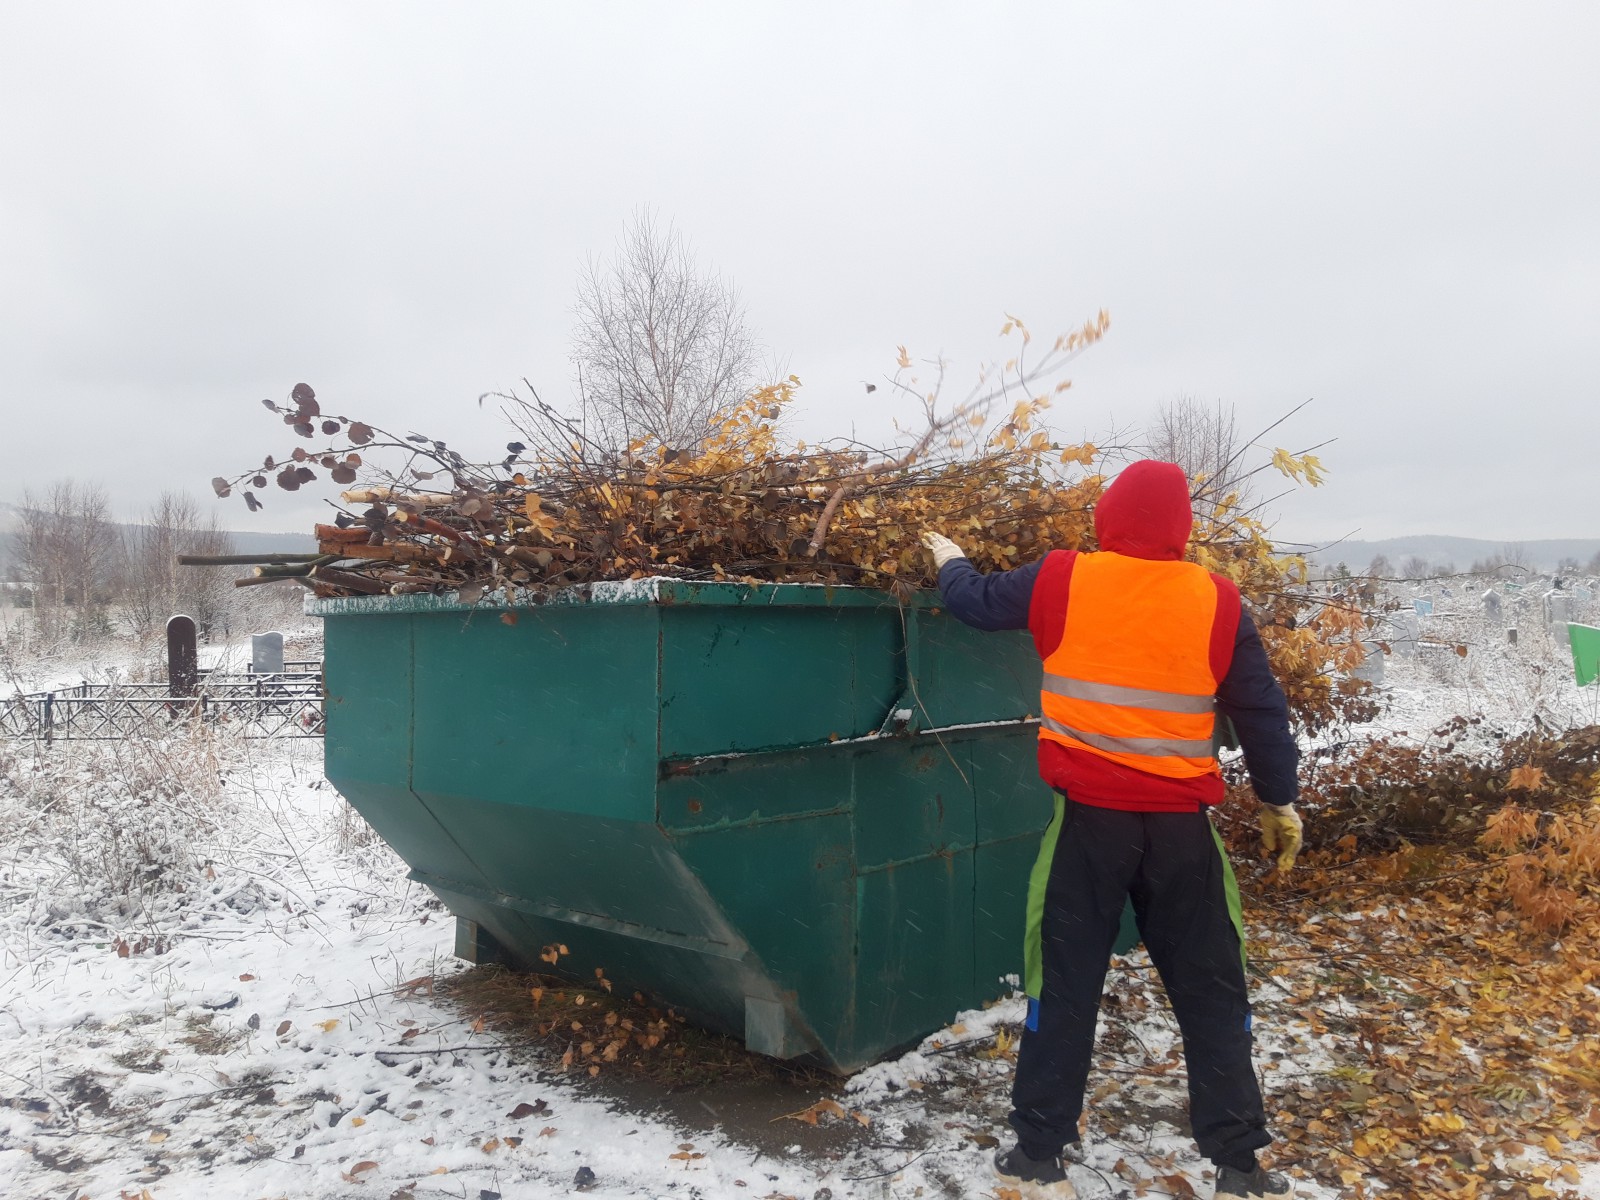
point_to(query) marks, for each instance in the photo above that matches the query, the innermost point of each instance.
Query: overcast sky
(1393, 210)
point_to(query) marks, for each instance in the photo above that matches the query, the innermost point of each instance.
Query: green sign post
(1585, 641)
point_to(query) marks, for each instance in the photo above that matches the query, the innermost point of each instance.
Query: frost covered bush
(108, 833)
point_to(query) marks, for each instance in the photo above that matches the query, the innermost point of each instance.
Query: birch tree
(661, 347)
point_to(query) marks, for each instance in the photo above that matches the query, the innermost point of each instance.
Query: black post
(183, 658)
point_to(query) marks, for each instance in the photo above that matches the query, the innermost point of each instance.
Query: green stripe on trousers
(1128, 935)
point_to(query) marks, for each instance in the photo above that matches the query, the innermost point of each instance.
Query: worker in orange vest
(1141, 651)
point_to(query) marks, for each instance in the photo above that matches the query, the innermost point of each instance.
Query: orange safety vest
(1132, 679)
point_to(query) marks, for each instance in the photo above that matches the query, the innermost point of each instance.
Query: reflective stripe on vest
(1131, 678)
(1110, 693)
(1154, 747)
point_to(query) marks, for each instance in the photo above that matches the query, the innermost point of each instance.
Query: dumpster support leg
(477, 945)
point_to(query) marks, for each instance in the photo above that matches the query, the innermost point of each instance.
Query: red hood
(1145, 513)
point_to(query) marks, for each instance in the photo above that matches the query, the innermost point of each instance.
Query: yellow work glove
(942, 548)
(1281, 831)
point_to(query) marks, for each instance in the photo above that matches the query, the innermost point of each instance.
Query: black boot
(1037, 1177)
(1259, 1184)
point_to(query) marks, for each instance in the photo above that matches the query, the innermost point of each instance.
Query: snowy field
(215, 983)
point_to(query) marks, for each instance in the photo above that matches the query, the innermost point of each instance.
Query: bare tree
(661, 348)
(1510, 561)
(1206, 443)
(154, 586)
(66, 548)
(1416, 567)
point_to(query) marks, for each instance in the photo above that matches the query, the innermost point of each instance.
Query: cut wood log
(254, 580)
(349, 581)
(333, 535)
(242, 560)
(397, 552)
(388, 495)
(429, 525)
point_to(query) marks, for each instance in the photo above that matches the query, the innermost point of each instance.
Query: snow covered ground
(214, 983)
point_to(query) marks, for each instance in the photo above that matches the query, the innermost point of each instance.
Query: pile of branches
(746, 505)
(562, 508)
(1374, 797)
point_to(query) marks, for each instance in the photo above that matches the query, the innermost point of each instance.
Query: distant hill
(1440, 549)
(273, 543)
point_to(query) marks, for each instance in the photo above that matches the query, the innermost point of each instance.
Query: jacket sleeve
(1250, 697)
(989, 602)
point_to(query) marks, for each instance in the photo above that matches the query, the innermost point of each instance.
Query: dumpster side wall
(797, 814)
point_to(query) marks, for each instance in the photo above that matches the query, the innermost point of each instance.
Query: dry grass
(206, 1038)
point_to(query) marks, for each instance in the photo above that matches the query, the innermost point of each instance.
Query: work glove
(942, 548)
(1281, 831)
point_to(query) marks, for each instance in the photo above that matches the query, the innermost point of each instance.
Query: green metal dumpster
(804, 815)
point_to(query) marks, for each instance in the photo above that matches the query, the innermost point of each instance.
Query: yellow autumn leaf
(1527, 776)
(328, 1026)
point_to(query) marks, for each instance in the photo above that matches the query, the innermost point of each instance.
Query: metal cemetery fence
(286, 704)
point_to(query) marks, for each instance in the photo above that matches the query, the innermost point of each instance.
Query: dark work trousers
(1171, 866)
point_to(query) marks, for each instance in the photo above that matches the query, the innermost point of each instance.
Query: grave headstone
(183, 656)
(1557, 611)
(266, 654)
(1402, 629)
(1423, 605)
(1492, 608)
(1371, 667)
